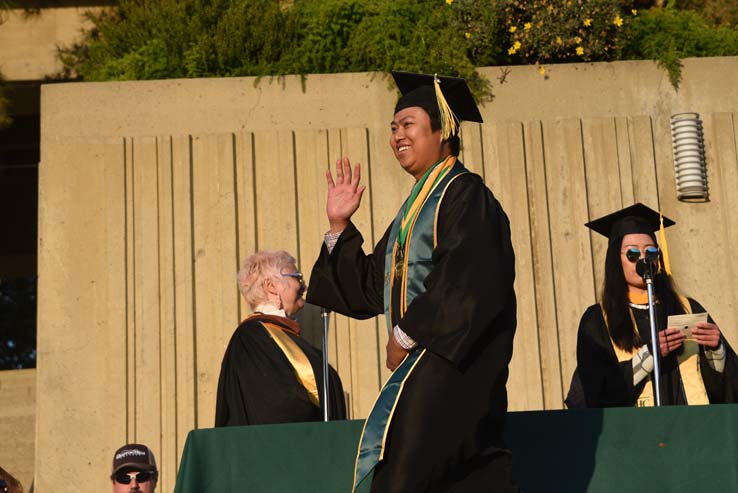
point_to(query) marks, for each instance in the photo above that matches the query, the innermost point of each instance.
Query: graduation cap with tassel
(634, 219)
(450, 96)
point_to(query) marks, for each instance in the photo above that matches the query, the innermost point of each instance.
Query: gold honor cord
(430, 184)
(418, 197)
(689, 365)
(298, 360)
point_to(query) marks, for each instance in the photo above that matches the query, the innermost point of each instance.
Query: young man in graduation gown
(614, 358)
(269, 373)
(443, 276)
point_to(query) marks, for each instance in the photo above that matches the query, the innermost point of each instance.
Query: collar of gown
(275, 315)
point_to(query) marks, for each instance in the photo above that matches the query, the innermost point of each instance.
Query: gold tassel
(664, 246)
(449, 126)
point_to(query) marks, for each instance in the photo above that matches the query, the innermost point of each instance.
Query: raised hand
(344, 195)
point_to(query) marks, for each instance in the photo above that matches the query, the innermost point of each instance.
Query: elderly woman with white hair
(269, 373)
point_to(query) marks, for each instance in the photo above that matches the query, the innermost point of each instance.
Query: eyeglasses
(633, 253)
(141, 477)
(298, 276)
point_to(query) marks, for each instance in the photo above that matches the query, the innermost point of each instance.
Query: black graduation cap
(451, 95)
(636, 218)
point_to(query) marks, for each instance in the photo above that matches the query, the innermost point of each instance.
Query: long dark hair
(615, 297)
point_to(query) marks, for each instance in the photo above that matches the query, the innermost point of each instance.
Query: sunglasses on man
(633, 253)
(141, 477)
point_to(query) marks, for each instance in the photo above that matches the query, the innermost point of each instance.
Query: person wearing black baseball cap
(614, 361)
(443, 276)
(134, 469)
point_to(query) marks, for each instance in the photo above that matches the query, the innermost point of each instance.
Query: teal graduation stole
(408, 264)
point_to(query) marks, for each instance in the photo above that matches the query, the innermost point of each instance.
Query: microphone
(647, 266)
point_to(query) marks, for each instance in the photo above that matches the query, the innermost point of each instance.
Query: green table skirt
(671, 449)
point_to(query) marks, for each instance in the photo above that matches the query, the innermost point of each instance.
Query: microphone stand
(324, 315)
(646, 270)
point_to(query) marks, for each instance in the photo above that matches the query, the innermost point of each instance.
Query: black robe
(606, 382)
(446, 430)
(257, 383)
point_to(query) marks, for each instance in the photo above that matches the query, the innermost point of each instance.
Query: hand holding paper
(686, 323)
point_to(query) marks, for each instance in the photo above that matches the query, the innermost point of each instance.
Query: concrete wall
(18, 423)
(29, 41)
(152, 192)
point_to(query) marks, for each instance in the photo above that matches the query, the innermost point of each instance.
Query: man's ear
(446, 146)
(270, 286)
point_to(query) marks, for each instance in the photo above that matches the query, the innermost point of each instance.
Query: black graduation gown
(446, 430)
(257, 383)
(609, 383)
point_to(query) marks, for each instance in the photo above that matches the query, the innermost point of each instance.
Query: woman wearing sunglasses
(269, 373)
(613, 345)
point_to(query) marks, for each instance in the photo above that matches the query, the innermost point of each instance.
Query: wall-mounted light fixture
(688, 146)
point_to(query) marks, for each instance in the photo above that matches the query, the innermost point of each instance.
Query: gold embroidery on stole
(298, 360)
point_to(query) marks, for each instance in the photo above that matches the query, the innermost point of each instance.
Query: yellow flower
(580, 50)
(578, 40)
(634, 11)
(559, 40)
(467, 35)
(587, 22)
(618, 21)
(527, 26)
(449, 2)
(513, 29)
(517, 45)
(511, 51)
(541, 70)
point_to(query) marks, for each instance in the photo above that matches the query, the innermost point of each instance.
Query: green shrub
(157, 39)
(667, 35)
(417, 36)
(716, 12)
(546, 31)
(323, 34)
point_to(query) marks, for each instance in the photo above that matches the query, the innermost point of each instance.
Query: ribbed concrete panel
(543, 265)
(505, 169)
(570, 247)
(602, 160)
(722, 130)
(183, 268)
(216, 261)
(82, 348)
